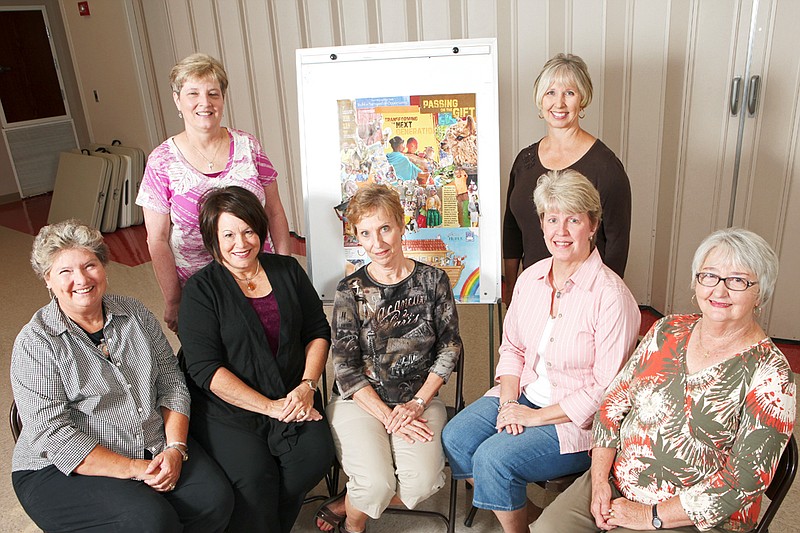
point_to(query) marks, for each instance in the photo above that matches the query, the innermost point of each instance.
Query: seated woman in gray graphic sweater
(395, 343)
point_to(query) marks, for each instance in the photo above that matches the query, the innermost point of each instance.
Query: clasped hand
(619, 512)
(161, 473)
(405, 421)
(298, 406)
(513, 418)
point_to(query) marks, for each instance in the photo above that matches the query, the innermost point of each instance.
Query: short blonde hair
(372, 198)
(567, 191)
(568, 69)
(67, 235)
(199, 66)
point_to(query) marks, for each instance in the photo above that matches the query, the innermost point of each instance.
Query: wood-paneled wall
(624, 44)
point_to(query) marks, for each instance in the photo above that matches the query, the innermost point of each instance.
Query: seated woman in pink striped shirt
(571, 326)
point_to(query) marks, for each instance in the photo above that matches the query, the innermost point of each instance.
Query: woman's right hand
(415, 431)
(171, 316)
(601, 504)
(275, 410)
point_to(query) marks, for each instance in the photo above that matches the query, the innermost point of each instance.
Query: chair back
(14, 421)
(780, 485)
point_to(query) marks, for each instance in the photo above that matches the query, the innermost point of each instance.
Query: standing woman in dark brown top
(562, 91)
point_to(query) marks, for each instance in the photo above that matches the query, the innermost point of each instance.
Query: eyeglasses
(734, 283)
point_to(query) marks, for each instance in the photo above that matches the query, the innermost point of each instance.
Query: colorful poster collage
(425, 147)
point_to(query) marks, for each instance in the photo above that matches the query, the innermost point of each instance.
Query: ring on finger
(171, 486)
(302, 413)
(611, 512)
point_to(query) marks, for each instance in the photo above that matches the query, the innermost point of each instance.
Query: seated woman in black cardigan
(255, 340)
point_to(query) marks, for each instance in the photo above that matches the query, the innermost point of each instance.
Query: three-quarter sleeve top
(714, 437)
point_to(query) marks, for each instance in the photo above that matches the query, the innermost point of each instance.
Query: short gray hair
(66, 235)
(563, 68)
(744, 249)
(567, 191)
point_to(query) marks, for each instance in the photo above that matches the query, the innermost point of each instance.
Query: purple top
(267, 310)
(171, 186)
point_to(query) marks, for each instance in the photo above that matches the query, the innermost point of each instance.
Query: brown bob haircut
(236, 201)
(372, 198)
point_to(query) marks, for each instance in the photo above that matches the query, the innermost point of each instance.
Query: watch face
(656, 522)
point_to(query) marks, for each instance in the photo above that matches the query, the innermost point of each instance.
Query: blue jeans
(501, 464)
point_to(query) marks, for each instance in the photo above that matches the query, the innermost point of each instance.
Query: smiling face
(78, 280)
(382, 238)
(201, 103)
(719, 303)
(567, 235)
(561, 105)
(239, 244)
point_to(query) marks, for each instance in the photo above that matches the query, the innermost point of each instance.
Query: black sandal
(325, 514)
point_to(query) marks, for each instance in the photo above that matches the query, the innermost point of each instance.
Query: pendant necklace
(250, 285)
(209, 161)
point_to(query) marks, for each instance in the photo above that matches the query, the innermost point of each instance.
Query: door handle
(736, 93)
(752, 94)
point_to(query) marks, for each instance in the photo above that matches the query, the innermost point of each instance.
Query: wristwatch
(657, 523)
(184, 451)
(311, 384)
(419, 400)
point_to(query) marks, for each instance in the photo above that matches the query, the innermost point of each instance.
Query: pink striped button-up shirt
(595, 331)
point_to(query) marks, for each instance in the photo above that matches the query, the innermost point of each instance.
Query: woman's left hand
(631, 515)
(514, 417)
(167, 469)
(299, 404)
(403, 414)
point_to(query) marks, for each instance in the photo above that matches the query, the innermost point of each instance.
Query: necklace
(560, 291)
(250, 285)
(706, 353)
(209, 161)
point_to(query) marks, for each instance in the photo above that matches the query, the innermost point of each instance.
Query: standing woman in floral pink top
(203, 156)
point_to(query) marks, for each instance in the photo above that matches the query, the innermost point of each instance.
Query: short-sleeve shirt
(171, 186)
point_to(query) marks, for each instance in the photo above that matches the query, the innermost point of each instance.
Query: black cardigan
(218, 327)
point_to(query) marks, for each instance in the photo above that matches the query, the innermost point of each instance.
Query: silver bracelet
(420, 401)
(506, 403)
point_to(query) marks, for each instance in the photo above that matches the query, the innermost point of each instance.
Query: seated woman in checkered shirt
(104, 407)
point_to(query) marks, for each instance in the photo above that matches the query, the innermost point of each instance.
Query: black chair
(779, 487)
(14, 421)
(332, 477)
(452, 410)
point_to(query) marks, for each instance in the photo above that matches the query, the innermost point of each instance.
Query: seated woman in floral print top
(690, 432)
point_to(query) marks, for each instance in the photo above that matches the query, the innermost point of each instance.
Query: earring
(757, 311)
(582, 114)
(694, 299)
(180, 115)
(540, 115)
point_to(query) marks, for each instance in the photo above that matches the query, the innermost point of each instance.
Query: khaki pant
(570, 512)
(380, 466)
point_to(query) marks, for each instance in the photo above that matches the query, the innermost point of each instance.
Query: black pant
(269, 488)
(201, 502)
